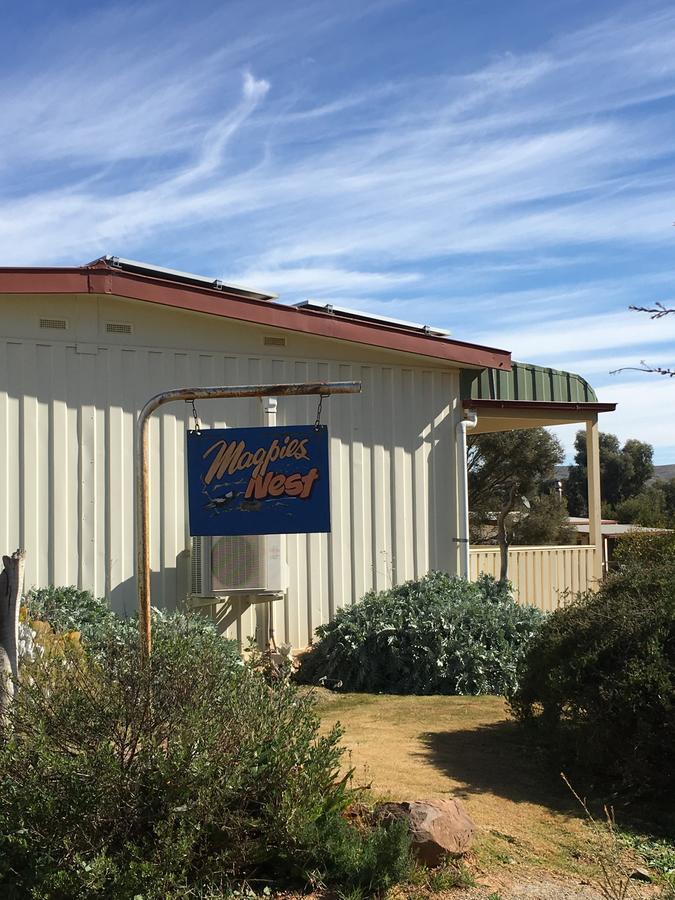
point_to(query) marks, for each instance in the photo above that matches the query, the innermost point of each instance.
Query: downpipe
(470, 420)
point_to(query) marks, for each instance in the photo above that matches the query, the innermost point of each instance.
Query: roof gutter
(553, 405)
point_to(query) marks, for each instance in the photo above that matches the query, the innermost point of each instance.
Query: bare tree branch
(644, 367)
(658, 311)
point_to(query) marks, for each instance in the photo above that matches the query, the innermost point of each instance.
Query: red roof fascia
(103, 280)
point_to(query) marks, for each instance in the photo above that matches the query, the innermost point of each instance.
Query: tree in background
(546, 522)
(648, 505)
(504, 468)
(653, 507)
(624, 472)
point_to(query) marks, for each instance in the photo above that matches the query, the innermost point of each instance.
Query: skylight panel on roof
(141, 268)
(360, 314)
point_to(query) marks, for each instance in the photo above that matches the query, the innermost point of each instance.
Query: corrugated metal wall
(67, 414)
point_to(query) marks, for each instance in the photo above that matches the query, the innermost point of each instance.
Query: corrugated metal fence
(544, 577)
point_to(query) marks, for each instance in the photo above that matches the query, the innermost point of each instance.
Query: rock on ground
(439, 828)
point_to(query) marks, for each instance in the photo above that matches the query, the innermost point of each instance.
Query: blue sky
(505, 170)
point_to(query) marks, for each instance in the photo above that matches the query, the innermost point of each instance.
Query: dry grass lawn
(467, 747)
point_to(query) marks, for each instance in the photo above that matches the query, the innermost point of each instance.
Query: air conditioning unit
(238, 564)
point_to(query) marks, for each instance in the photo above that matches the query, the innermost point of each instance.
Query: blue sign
(258, 480)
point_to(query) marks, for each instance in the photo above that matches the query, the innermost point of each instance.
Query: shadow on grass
(497, 758)
(500, 758)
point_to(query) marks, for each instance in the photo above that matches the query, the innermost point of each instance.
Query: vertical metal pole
(143, 535)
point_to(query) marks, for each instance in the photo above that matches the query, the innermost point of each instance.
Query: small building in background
(612, 532)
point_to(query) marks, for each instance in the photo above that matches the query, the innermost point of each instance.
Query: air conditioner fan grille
(236, 563)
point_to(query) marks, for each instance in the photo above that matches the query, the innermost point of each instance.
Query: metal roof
(618, 530)
(526, 382)
(136, 281)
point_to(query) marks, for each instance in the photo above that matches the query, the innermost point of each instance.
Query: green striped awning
(526, 382)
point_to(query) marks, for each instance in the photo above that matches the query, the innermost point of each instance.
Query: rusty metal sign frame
(321, 388)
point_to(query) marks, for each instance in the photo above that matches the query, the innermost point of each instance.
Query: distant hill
(661, 473)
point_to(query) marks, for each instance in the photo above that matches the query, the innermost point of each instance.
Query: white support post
(594, 498)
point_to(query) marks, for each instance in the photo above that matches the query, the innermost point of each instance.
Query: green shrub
(69, 609)
(179, 779)
(598, 680)
(658, 853)
(440, 635)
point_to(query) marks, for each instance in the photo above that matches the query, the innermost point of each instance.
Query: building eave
(228, 303)
(512, 415)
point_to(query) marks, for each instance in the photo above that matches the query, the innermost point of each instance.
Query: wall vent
(271, 340)
(119, 328)
(54, 324)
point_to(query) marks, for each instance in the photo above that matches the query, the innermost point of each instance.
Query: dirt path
(532, 842)
(538, 889)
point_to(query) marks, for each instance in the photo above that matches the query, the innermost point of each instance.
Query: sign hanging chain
(195, 415)
(317, 423)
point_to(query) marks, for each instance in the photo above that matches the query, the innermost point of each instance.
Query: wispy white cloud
(111, 103)
(413, 183)
(485, 200)
(570, 335)
(317, 281)
(634, 416)
(179, 196)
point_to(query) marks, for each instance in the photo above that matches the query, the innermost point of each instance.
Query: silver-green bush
(439, 635)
